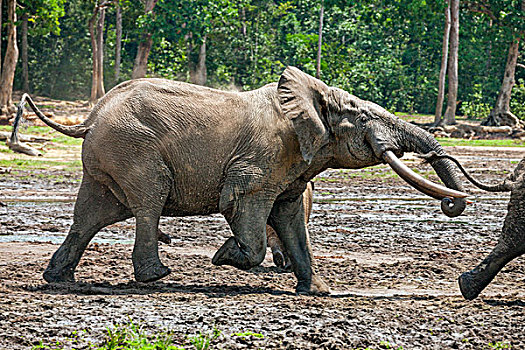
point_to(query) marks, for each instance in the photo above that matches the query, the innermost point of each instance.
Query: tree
(141, 60)
(443, 69)
(25, 68)
(97, 47)
(9, 64)
(118, 40)
(319, 43)
(450, 112)
(501, 114)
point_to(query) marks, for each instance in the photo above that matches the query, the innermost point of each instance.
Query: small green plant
(499, 345)
(248, 334)
(202, 341)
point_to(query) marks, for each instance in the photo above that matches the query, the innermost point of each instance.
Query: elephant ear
(303, 99)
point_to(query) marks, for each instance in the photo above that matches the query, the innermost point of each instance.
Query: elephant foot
(278, 258)
(58, 276)
(151, 272)
(230, 254)
(467, 286)
(315, 287)
(162, 237)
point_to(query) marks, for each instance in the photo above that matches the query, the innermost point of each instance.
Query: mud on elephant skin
(511, 242)
(155, 147)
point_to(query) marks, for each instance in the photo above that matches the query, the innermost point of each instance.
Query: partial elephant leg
(95, 208)
(247, 247)
(511, 244)
(147, 199)
(279, 257)
(288, 220)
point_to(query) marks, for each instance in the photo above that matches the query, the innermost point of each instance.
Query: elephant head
(360, 133)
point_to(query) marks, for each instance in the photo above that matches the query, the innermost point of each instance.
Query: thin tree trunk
(100, 53)
(25, 65)
(319, 43)
(189, 51)
(118, 40)
(500, 114)
(94, 56)
(450, 113)
(9, 64)
(140, 65)
(200, 71)
(443, 70)
(1, 7)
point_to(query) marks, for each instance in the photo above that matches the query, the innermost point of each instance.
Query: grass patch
(36, 164)
(132, 336)
(481, 143)
(45, 131)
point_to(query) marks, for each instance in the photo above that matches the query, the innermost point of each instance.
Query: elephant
(154, 147)
(280, 258)
(511, 242)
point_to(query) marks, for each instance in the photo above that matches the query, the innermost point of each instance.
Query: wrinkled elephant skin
(154, 147)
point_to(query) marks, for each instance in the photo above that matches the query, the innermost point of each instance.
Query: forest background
(386, 51)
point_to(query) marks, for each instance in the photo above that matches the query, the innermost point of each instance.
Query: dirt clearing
(389, 255)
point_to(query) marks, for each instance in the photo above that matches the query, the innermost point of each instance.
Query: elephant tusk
(418, 182)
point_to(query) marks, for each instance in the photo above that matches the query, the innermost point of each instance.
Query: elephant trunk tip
(453, 207)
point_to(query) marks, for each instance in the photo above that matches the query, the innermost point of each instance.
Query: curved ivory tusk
(418, 182)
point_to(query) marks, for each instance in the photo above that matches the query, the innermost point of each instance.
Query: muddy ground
(389, 255)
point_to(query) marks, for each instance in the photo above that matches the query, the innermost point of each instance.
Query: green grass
(132, 336)
(481, 143)
(45, 131)
(35, 164)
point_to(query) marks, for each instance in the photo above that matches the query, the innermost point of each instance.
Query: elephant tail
(78, 131)
(501, 187)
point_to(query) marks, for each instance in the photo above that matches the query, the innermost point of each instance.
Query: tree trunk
(1, 7)
(200, 71)
(319, 43)
(140, 65)
(500, 114)
(25, 68)
(189, 51)
(100, 53)
(94, 57)
(118, 41)
(450, 113)
(9, 65)
(443, 70)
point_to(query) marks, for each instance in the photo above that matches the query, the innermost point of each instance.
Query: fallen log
(4, 136)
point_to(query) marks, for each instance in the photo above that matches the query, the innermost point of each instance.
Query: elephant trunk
(410, 138)
(415, 139)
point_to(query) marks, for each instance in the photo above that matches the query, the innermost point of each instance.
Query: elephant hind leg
(146, 188)
(96, 207)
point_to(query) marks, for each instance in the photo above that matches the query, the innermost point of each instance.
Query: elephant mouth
(418, 182)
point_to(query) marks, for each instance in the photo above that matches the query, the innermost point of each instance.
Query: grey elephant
(156, 147)
(511, 242)
(280, 257)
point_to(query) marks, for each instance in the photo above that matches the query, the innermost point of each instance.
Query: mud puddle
(389, 255)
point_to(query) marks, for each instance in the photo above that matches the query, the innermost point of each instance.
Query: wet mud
(389, 255)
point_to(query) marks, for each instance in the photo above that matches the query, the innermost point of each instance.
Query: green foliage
(248, 334)
(202, 341)
(476, 108)
(517, 103)
(389, 54)
(499, 345)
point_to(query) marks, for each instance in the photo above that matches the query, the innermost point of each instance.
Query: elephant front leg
(288, 220)
(247, 248)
